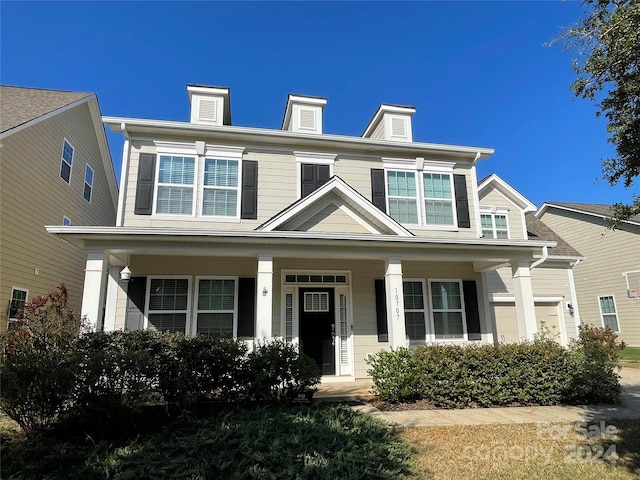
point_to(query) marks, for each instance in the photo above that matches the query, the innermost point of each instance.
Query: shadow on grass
(271, 443)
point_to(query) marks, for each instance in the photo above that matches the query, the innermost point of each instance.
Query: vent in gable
(398, 127)
(208, 110)
(307, 119)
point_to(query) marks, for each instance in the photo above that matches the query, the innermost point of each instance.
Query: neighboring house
(505, 213)
(608, 281)
(343, 245)
(55, 169)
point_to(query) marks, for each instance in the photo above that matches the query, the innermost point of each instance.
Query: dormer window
(494, 222)
(209, 105)
(303, 114)
(391, 122)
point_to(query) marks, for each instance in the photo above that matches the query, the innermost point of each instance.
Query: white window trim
(148, 296)
(615, 306)
(202, 187)
(312, 158)
(194, 320)
(62, 160)
(419, 208)
(295, 330)
(66, 220)
(86, 169)
(465, 336)
(454, 210)
(193, 186)
(26, 298)
(425, 311)
(493, 212)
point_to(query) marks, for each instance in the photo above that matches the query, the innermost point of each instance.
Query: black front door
(317, 324)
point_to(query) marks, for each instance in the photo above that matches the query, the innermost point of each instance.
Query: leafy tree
(607, 44)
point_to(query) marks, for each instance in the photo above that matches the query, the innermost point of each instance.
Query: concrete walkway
(628, 408)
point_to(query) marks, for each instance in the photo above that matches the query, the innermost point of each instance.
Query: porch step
(358, 390)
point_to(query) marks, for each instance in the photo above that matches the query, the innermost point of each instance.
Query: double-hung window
(168, 304)
(438, 199)
(216, 307)
(88, 183)
(608, 312)
(422, 198)
(18, 299)
(220, 187)
(494, 225)
(66, 161)
(402, 195)
(176, 181)
(447, 309)
(414, 311)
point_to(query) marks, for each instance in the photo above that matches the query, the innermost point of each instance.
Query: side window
(494, 225)
(608, 312)
(414, 312)
(66, 161)
(88, 183)
(18, 299)
(448, 314)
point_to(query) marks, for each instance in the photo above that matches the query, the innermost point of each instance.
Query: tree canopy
(607, 65)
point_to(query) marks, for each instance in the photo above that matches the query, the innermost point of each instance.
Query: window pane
(610, 321)
(403, 211)
(439, 212)
(216, 294)
(65, 171)
(87, 192)
(177, 170)
(88, 175)
(413, 299)
(168, 294)
(173, 322)
(220, 202)
(288, 317)
(502, 234)
(448, 325)
(175, 200)
(220, 173)
(415, 326)
(18, 299)
(67, 153)
(501, 221)
(485, 221)
(446, 295)
(215, 324)
(401, 184)
(437, 185)
(607, 305)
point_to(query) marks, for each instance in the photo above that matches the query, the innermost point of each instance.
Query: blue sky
(477, 72)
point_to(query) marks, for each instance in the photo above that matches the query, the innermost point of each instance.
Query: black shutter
(462, 201)
(378, 190)
(249, 200)
(381, 311)
(471, 309)
(313, 176)
(136, 293)
(246, 307)
(144, 189)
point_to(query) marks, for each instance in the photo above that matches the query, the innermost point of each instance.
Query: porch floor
(352, 390)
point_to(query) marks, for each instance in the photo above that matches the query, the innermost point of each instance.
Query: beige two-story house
(342, 245)
(55, 170)
(608, 281)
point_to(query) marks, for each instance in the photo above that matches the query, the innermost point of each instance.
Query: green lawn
(630, 353)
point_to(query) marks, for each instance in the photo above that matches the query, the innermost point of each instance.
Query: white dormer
(303, 114)
(391, 122)
(209, 105)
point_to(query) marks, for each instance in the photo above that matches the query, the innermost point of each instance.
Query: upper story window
(425, 199)
(494, 225)
(88, 183)
(220, 189)
(314, 170)
(66, 221)
(66, 162)
(176, 180)
(18, 299)
(608, 312)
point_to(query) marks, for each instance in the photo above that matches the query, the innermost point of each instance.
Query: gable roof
(506, 190)
(594, 209)
(538, 230)
(20, 105)
(370, 213)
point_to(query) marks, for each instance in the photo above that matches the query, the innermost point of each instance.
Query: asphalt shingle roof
(19, 105)
(593, 208)
(538, 230)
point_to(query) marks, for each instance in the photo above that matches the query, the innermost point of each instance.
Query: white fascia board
(545, 206)
(517, 198)
(335, 184)
(164, 127)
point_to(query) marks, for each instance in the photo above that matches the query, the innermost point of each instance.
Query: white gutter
(545, 255)
(124, 175)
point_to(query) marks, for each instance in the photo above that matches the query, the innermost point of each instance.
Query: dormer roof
(210, 105)
(391, 122)
(303, 113)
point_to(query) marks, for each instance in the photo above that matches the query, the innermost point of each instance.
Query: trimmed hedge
(541, 372)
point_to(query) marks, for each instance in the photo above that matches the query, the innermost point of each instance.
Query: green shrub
(276, 372)
(396, 375)
(38, 363)
(596, 363)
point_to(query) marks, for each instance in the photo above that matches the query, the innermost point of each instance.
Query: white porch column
(395, 303)
(93, 292)
(264, 293)
(525, 307)
(112, 297)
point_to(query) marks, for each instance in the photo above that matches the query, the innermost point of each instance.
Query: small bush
(396, 375)
(278, 372)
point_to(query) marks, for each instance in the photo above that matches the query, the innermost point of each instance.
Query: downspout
(124, 175)
(545, 255)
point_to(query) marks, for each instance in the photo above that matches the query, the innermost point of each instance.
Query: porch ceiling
(120, 241)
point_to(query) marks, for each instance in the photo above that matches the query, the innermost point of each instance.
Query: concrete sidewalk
(628, 408)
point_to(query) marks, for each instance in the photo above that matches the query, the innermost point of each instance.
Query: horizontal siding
(331, 219)
(33, 195)
(608, 254)
(492, 198)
